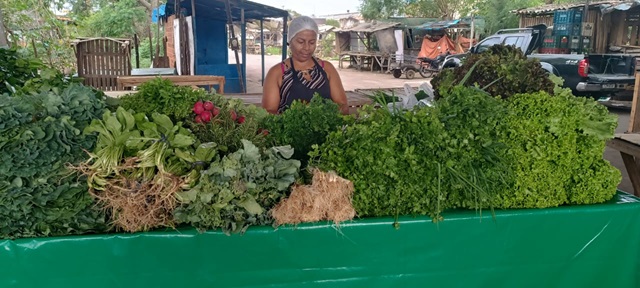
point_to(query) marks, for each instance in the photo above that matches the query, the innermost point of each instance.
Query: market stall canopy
(215, 9)
(370, 27)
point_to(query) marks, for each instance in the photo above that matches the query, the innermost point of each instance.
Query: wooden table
(364, 59)
(182, 80)
(629, 143)
(629, 147)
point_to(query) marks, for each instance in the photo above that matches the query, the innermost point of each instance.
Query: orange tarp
(432, 49)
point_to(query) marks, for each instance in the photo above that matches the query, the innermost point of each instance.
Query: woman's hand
(337, 90)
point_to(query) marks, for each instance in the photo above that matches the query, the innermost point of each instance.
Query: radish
(198, 108)
(208, 106)
(234, 116)
(215, 111)
(198, 119)
(206, 116)
(241, 119)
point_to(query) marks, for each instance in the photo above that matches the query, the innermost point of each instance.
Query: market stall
(473, 181)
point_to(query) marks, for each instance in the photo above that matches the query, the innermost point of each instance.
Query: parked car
(596, 75)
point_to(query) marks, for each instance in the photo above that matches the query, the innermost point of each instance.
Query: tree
(3, 34)
(381, 9)
(497, 13)
(442, 9)
(122, 19)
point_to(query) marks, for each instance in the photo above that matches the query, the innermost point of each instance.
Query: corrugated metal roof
(369, 27)
(549, 8)
(215, 9)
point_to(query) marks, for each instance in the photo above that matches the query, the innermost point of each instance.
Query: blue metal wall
(212, 53)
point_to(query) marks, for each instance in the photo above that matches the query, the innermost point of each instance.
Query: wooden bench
(125, 82)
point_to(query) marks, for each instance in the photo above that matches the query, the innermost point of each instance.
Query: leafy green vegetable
(227, 132)
(162, 96)
(39, 135)
(557, 145)
(423, 161)
(238, 190)
(304, 125)
(503, 71)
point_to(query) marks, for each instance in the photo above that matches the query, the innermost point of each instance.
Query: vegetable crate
(554, 51)
(572, 29)
(555, 42)
(567, 16)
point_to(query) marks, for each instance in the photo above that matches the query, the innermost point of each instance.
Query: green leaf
(251, 152)
(206, 151)
(180, 141)
(164, 122)
(251, 205)
(125, 118)
(285, 151)
(188, 196)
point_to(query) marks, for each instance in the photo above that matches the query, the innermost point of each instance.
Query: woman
(302, 75)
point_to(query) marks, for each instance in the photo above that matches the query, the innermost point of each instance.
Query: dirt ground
(353, 79)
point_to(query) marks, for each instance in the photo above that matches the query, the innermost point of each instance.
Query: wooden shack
(368, 44)
(101, 60)
(607, 35)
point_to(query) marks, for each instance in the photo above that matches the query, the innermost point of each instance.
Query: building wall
(212, 56)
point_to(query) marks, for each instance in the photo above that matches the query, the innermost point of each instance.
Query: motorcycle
(430, 66)
(426, 67)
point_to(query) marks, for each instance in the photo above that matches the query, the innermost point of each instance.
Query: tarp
(620, 6)
(572, 246)
(432, 49)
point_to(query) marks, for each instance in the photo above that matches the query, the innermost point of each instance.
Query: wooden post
(262, 48)
(3, 34)
(136, 43)
(634, 119)
(284, 37)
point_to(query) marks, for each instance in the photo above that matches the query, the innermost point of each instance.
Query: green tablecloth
(578, 246)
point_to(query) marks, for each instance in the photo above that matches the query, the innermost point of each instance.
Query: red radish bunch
(205, 111)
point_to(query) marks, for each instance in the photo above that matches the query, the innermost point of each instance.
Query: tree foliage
(119, 19)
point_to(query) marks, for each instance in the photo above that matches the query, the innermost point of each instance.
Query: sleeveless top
(296, 87)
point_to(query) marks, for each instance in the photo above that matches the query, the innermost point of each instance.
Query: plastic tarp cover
(432, 49)
(578, 246)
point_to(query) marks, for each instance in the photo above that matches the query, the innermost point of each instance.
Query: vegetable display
(170, 156)
(39, 136)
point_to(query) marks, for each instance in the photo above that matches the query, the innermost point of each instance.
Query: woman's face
(303, 45)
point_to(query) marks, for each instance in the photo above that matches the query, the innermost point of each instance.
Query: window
(484, 46)
(513, 40)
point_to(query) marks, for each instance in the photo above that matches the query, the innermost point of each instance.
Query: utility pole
(3, 34)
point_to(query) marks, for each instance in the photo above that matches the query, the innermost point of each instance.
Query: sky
(314, 7)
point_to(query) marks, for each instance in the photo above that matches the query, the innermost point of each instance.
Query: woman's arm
(337, 90)
(271, 89)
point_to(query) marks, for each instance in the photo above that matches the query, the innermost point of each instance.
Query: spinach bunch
(238, 190)
(40, 134)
